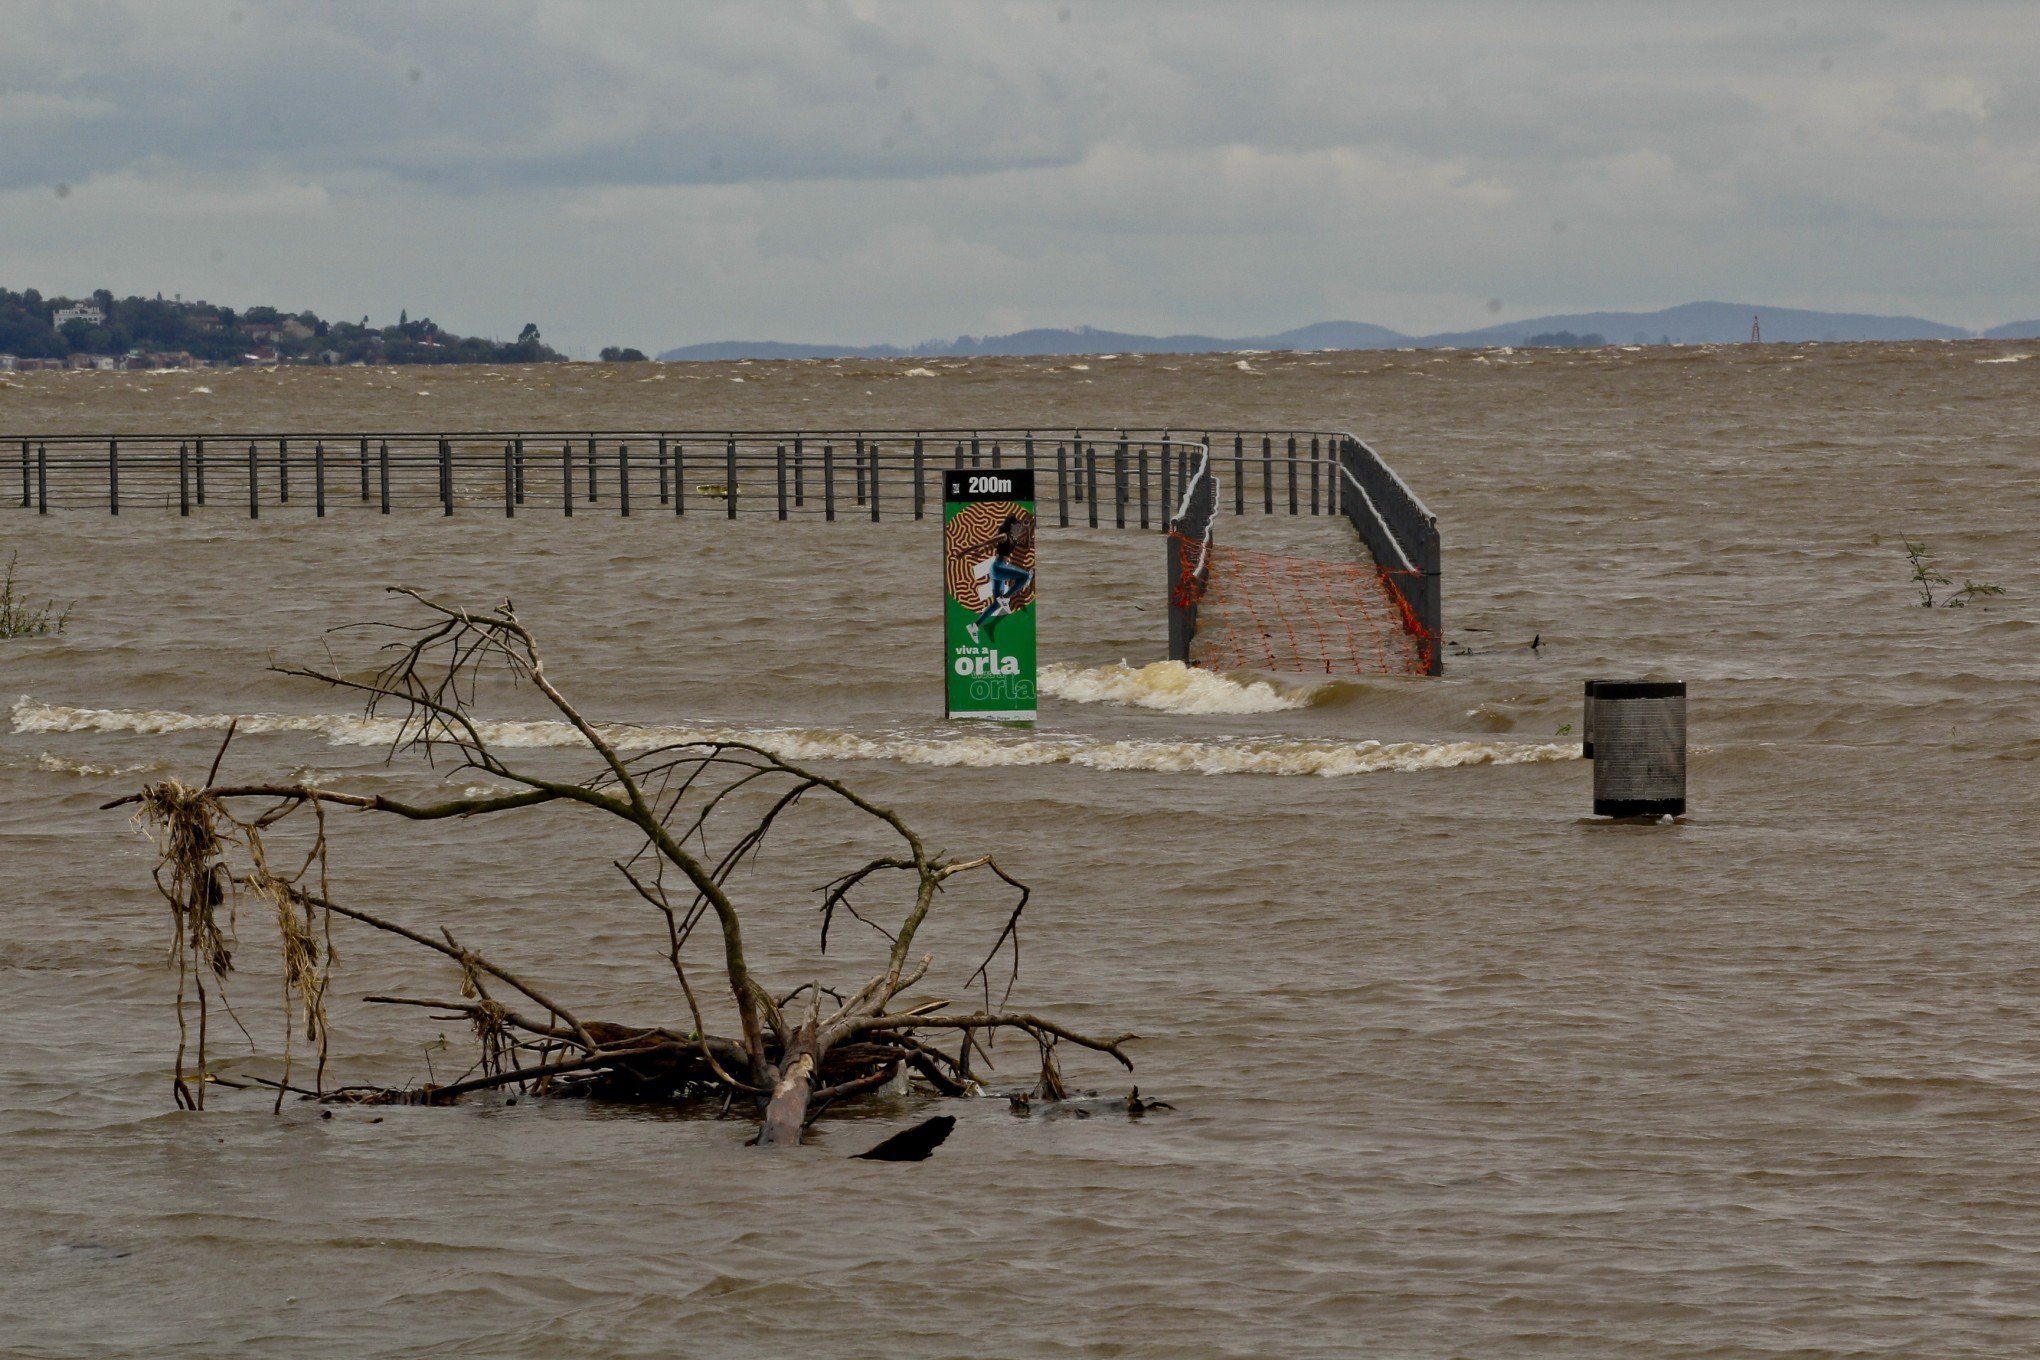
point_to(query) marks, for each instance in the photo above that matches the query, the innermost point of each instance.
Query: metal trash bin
(1636, 736)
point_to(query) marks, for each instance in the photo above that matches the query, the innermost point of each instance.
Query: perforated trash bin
(1636, 734)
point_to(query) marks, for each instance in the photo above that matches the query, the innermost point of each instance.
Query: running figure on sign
(1004, 577)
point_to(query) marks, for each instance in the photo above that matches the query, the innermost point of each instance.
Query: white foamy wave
(2005, 359)
(1236, 755)
(54, 764)
(1171, 687)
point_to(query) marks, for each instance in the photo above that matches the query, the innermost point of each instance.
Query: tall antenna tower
(1756, 332)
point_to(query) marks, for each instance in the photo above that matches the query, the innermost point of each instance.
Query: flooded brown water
(1460, 1071)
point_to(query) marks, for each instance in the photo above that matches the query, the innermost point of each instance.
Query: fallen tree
(794, 1050)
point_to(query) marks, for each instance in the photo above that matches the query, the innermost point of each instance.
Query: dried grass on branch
(795, 1050)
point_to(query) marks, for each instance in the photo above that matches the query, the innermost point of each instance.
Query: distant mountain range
(1714, 323)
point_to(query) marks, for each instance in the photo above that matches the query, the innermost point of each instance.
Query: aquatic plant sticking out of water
(1925, 576)
(697, 813)
(19, 618)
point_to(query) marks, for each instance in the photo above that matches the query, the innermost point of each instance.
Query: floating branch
(796, 1048)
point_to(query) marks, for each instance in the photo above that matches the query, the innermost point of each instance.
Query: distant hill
(1714, 323)
(152, 333)
(1710, 323)
(1081, 340)
(726, 350)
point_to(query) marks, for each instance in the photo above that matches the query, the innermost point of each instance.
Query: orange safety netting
(1265, 611)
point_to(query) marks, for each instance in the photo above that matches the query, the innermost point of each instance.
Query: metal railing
(1402, 533)
(1119, 478)
(1122, 478)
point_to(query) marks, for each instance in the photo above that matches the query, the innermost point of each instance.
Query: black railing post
(1314, 475)
(1432, 560)
(920, 481)
(829, 481)
(996, 461)
(859, 457)
(319, 477)
(282, 471)
(567, 477)
(1168, 456)
(1187, 578)
(446, 474)
(42, 479)
(1119, 484)
(976, 454)
(1144, 486)
(662, 469)
(779, 460)
(679, 479)
(1090, 481)
(623, 478)
(591, 469)
(26, 490)
(509, 481)
(1062, 485)
(959, 453)
(183, 478)
(730, 478)
(1292, 474)
(198, 469)
(799, 473)
(254, 505)
(1077, 452)
(1267, 475)
(113, 476)
(382, 471)
(1239, 474)
(1030, 451)
(518, 443)
(364, 469)
(874, 483)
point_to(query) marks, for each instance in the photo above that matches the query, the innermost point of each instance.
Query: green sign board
(988, 592)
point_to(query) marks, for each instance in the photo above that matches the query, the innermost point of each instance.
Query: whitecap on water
(1208, 756)
(1171, 687)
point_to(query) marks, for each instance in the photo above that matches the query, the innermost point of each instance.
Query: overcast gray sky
(867, 170)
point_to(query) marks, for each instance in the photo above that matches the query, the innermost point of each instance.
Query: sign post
(988, 593)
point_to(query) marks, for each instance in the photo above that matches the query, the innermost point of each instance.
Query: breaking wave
(1216, 755)
(54, 764)
(1172, 687)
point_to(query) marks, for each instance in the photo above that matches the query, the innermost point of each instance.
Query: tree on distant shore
(221, 335)
(615, 354)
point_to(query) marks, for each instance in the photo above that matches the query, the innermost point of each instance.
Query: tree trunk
(786, 1113)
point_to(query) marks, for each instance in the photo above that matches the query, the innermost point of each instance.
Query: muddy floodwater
(1459, 1071)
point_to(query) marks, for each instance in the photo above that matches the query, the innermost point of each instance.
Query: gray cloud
(874, 169)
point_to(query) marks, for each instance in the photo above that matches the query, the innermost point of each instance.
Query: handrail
(788, 471)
